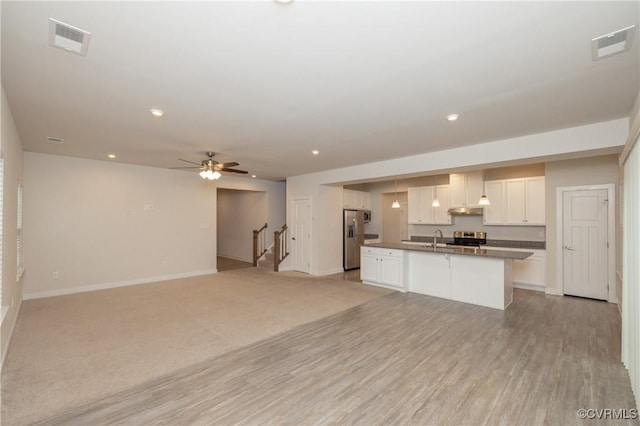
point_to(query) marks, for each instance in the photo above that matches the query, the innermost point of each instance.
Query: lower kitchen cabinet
(430, 274)
(531, 272)
(483, 281)
(383, 267)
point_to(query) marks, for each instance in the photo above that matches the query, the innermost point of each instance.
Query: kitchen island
(465, 274)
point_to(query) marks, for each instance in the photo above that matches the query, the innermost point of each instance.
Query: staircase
(266, 261)
(271, 257)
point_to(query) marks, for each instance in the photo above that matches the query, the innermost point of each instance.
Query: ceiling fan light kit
(210, 168)
(210, 174)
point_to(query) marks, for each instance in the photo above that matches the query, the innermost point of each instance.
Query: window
(19, 234)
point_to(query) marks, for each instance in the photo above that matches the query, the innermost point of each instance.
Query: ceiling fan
(210, 168)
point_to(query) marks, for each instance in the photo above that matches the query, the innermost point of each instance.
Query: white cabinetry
(466, 188)
(525, 201)
(382, 267)
(482, 281)
(531, 272)
(479, 280)
(430, 274)
(421, 210)
(516, 202)
(356, 199)
(494, 214)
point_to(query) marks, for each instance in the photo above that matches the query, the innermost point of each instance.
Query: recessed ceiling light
(157, 112)
(111, 156)
(452, 117)
(315, 152)
(284, 1)
(253, 176)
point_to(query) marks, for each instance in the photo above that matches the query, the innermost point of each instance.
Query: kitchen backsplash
(474, 223)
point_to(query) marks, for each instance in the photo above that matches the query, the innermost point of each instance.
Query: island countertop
(467, 251)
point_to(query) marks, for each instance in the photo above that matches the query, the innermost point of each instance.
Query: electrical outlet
(55, 275)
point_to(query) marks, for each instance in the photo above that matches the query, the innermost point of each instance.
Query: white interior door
(584, 244)
(301, 235)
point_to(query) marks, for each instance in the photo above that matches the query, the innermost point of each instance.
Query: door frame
(309, 199)
(611, 235)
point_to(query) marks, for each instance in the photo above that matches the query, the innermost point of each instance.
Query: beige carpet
(70, 350)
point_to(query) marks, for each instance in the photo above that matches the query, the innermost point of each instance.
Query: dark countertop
(371, 236)
(467, 251)
(519, 244)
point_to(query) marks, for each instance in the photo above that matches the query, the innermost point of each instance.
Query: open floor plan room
(316, 351)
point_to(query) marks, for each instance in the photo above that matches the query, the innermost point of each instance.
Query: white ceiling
(263, 83)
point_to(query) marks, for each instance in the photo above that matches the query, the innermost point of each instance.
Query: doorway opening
(394, 220)
(238, 213)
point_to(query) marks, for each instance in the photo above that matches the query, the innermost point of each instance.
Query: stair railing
(280, 249)
(259, 243)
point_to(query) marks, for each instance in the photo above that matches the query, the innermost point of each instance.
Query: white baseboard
(105, 286)
(13, 329)
(285, 268)
(553, 292)
(529, 287)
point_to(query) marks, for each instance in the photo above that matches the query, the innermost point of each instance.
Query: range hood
(477, 211)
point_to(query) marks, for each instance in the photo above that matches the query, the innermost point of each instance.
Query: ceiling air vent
(57, 141)
(67, 37)
(612, 43)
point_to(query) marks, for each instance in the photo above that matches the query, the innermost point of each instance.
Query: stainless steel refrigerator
(353, 238)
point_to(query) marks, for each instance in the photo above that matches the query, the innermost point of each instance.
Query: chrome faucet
(435, 234)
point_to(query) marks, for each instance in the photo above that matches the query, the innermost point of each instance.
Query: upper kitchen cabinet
(466, 188)
(525, 201)
(494, 214)
(356, 199)
(516, 202)
(421, 210)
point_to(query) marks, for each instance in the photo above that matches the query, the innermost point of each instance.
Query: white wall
(325, 187)
(86, 220)
(239, 213)
(11, 149)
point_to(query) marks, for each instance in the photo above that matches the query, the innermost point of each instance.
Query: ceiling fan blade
(231, 164)
(186, 167)
(234, 171)
(187, 161)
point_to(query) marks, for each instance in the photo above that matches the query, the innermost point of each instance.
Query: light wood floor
(399, 359)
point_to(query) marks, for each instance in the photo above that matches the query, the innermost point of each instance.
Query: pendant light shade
(484, 200)
(396, 203)
(436, 202)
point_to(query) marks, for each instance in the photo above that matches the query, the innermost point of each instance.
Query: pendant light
(396, 203)
(436, 202)
(484, 200)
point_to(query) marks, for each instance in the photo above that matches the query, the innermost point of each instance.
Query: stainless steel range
(468, 238)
